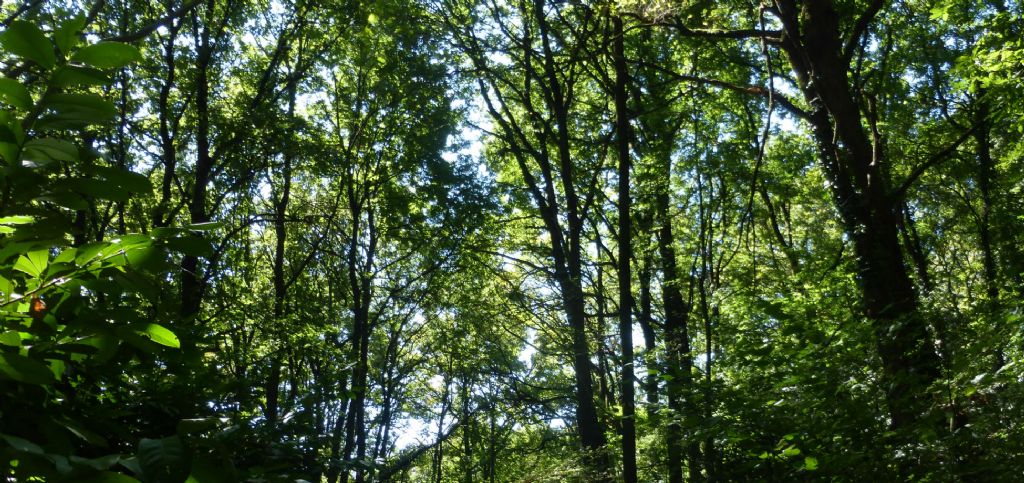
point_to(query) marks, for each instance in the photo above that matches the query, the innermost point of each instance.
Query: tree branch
(860, 27)
(937, 158)
(756, 90)
(148, 29)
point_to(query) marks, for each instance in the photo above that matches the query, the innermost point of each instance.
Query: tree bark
(855, 168)
(625, 228)
(191, 278)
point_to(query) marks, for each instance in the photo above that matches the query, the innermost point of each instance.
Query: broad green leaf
(66, 35)
(97, 188)
(16, 220)
(189, 426)
(101, 463)
(90, 252)
(57, 367)
(107, 55)
(15, 94)
(85, 434)
(208, 470)
(56, 149)
(190, 245)
(159, 334)
(111, 477)
(163, 459)
(124, 179)
(810, 463)
(70, 111)
(22, 444)
(76, 75)
(24, 369)
(65, 256)
(26, 40)
(32, 263)
(211, 225)
(83, 103)
(6, 287)
(10, 338)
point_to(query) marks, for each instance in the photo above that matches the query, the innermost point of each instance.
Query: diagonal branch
(860, 27)
(936, 158)
(768, 93)
(160, 22)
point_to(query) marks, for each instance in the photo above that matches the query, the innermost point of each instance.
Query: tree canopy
(496, 240)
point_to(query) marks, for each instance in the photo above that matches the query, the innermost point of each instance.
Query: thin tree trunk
(161, 216)
(677, 341)
(191, 278)
(280, 287)
(650, 340)
(467, 442)
(986, 173)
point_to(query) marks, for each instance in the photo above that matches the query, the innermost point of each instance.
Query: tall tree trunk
(168, 151)
(855, 168)
(562, 215)
(191, 278)
(646, 321)
(625, 228)
(280, 285)
(986, 174)
(467, 441)
(337, 434)
(359, 269)
(606, 394)
(677, 340)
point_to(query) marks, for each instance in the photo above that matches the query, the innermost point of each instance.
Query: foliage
(336, 241)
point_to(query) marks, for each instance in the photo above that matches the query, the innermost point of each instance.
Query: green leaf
(75, 75)
(72, 111)
(21, 444)
(111, 477)
(66, 36)
(57, 367)
(15, 94)
(208, 226)
(55, 149)
(80, 103)
(163, 459)
(26, 40)
(124, 179)
(85, 434)
(97, 188)
(23, 369)
(6, 287)
(190, 245)
(16, 220)
(159, 334)
(32, 263)
(107, 55)
(89, 252)
(208, 470)
(189, 426)
(810, 463)
(11, 338)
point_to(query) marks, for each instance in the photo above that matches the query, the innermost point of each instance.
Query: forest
(511, 240)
